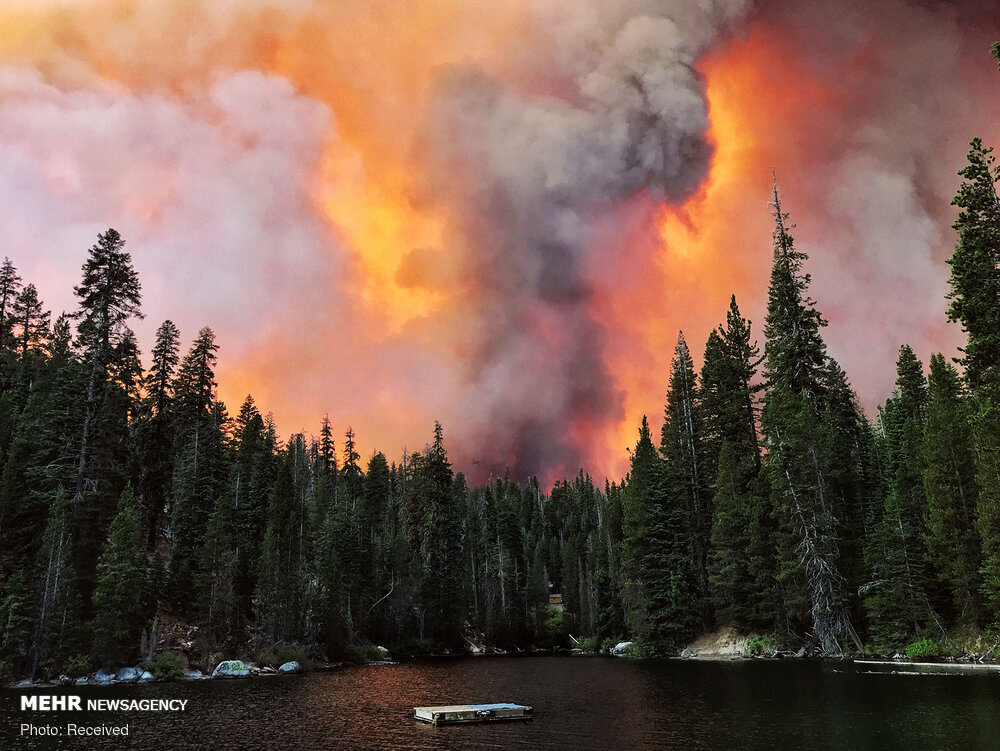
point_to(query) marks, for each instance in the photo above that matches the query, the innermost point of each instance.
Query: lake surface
(580, 703)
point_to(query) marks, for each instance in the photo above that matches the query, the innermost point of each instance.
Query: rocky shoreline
(226, 669)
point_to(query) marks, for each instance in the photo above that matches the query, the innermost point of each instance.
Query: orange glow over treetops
(377, 346)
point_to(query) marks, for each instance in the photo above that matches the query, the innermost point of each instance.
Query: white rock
(128, 675)
(620, 647)
(290, 667)
(102, 677)
(231, 669)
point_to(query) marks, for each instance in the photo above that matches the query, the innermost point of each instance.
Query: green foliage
(898, 594)
(641, 650)
(282, 542)
(950, 486)
(121, 579)
(588, 644)
(166, 666)
(556, 626)
(608, 644)
(811, 425)
(923, 649)
(6, 672)
(361, 655)
(760, 645)
(78, 665)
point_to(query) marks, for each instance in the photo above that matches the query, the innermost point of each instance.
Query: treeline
(132, 501)
(772, 505)
(131, 498)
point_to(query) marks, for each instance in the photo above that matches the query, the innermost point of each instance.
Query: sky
(495, 215)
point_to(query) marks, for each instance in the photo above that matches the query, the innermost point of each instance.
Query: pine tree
(729, 386)
(377, 528)
(950, 486)
(57, 623)
(251, 479)
(687, 470)
(217, 606)
(16, 619)
(281, 600)
(109, 296)
(639, 513)
(813, 588)
(199, 461)
(121, 577)
(975, 270)
(31, 321)
(898, 595)
(660, 578)
(155, 430)
(10, 285)
(975, 302)
(739, 563)
(440, 535)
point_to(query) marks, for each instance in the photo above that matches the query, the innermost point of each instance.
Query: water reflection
(580, 704)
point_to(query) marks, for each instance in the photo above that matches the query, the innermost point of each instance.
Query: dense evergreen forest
(134, 504)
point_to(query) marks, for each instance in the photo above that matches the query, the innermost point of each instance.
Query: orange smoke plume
(498, 215)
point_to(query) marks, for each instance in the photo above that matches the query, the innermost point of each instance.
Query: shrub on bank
(923, 649)
(78, 665)
(761, 645)
(278, 654)
(362, 655)
(166, 666)
(639, 650)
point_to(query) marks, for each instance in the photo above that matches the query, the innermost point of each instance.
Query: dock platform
(459, 713)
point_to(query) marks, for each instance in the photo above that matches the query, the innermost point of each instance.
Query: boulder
(146, 677)
(193, 674)
(801, 653)
(128, 675)
(26, 683)
(384, 654)
(620, 647)
(103, 678)
(687, 654)
(81, 681)
(231, 669)
(290, 667)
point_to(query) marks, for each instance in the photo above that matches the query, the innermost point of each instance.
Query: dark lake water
(580, 703)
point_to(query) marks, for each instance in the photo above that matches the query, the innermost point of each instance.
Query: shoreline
(902, 666)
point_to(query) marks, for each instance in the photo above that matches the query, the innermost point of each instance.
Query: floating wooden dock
(903, 667)
(472, 713)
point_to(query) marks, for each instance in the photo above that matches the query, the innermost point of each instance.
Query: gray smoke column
(523, 176)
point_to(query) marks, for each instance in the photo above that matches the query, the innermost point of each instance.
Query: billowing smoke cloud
(174, 177)
(493, 214)
(524, 178)
(870, 171)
